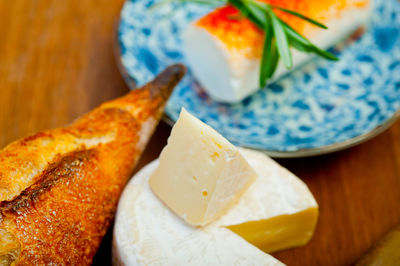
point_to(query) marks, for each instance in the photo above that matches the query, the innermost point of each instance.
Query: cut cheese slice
(277, 205)
(224, 53)
(201, 175)
(277, 212)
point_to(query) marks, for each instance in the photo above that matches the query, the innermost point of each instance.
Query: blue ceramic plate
(321, 107)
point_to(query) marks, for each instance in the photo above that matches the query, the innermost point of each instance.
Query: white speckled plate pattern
(318, 108)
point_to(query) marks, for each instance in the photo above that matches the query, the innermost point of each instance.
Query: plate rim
(301, 153)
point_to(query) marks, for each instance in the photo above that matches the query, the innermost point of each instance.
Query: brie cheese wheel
(201, 175)
(276, 212)
(224, 53)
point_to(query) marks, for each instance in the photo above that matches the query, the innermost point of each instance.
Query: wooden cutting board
(57, 62)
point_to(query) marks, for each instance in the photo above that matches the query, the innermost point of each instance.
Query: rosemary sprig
(269, 55)
(301, 16)
(279, 36)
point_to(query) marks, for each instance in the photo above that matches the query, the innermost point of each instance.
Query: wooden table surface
(57, 62)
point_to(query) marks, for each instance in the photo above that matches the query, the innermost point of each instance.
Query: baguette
(59, 188)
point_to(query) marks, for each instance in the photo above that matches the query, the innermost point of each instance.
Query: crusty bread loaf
(59, 188)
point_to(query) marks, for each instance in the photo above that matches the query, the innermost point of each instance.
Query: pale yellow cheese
(201, 175)
(280, 232)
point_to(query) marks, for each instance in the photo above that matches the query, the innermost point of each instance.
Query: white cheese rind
(229, 76)
(147, 232)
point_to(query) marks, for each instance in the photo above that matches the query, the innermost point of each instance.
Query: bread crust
(59, 188)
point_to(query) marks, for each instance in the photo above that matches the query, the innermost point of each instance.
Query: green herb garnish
(279, 36)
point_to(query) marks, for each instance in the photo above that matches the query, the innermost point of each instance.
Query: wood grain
(57, 62)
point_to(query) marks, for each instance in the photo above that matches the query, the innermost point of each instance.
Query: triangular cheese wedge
(276, 212)
(200, 175)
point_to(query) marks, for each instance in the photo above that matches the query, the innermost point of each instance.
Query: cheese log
(224, 53)
(278, 205)
(201, 175)
(59, 188)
